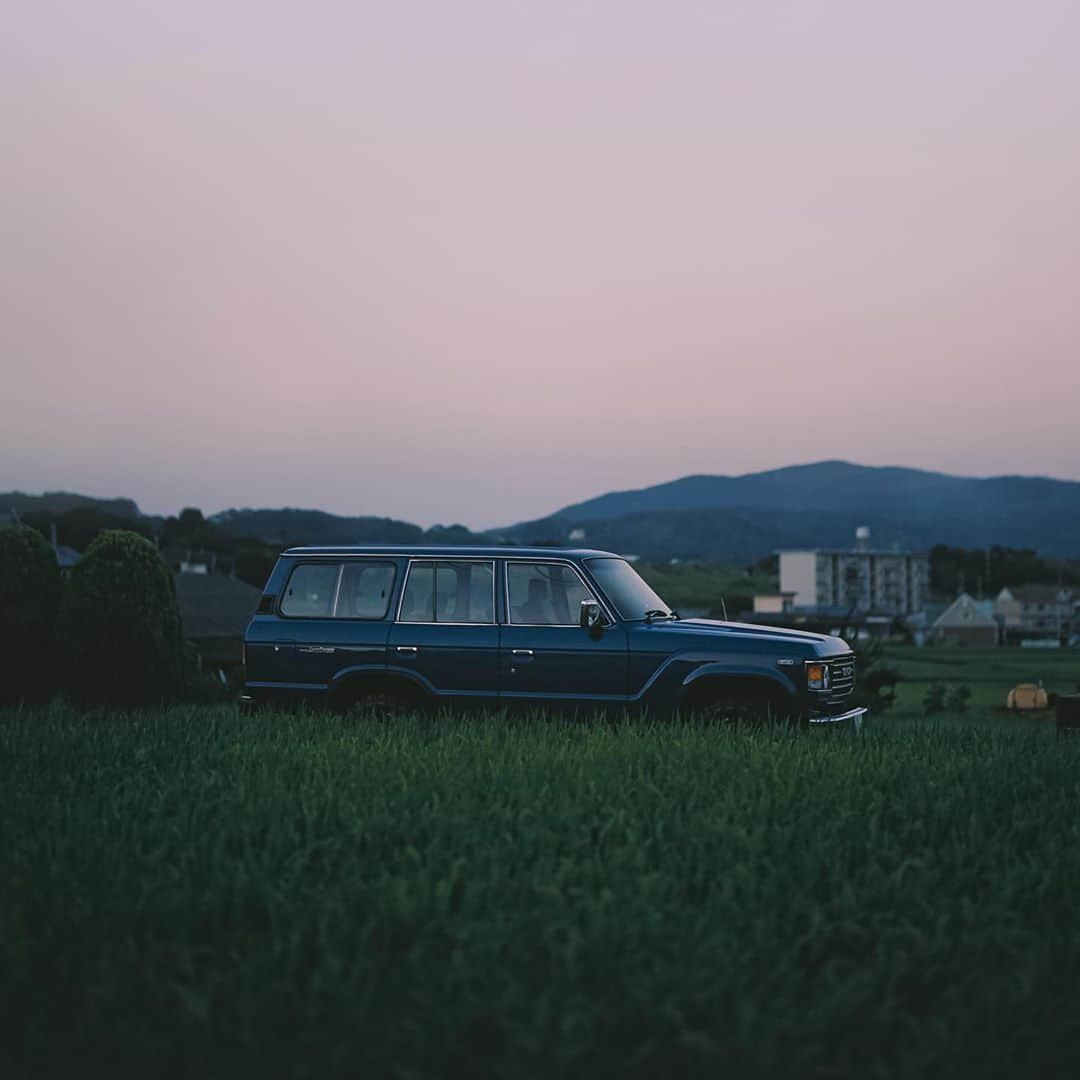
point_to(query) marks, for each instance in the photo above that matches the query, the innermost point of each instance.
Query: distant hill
(733, 518)
(60, 502)
(724, 517)
(289, 526)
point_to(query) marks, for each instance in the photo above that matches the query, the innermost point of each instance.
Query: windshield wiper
(658, 613)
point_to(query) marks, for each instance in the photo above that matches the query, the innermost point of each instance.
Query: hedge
(30, 588)
(120, 625)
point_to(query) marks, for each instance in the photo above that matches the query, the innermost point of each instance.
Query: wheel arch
(710, 680)
(354, 683)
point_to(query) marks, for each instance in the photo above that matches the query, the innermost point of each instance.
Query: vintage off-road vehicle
(388, 627)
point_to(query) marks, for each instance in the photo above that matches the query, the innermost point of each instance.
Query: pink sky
(472, 261)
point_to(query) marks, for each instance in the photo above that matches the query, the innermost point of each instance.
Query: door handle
(407, 651)
(522, 656)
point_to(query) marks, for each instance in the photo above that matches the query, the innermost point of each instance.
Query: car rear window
(365, 590)
(352, 590)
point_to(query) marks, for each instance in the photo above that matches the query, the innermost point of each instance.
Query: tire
(750, 708)
(379, 704)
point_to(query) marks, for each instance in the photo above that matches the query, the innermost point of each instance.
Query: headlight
(817, 676)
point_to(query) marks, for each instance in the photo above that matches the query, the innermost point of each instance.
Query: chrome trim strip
(434, 585)
(855, 715)
(287, 685)
(594, 593)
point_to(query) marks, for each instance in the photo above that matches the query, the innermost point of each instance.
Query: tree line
(249, 558)
(989, 570)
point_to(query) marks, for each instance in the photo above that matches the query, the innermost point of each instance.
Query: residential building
(773, 603)
(66, 557)
(1037, 611)
(197, 561)
(860, 579)
(215, 610)
(966, 621)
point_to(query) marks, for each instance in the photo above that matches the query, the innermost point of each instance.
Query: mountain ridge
(786, 485)
(713, 517)
(908, 507)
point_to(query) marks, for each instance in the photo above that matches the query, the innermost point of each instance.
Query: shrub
(30, 588)
(875, 685)
(120, 625)
(958, 700)
(934, 699)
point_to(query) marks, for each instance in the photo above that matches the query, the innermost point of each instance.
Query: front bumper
(852, 717)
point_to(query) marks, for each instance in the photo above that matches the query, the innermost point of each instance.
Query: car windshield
(625, 588)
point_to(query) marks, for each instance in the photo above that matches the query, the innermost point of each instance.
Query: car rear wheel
(381, 704)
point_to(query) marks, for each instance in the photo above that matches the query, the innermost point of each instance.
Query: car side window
(545, 594)
(464, 592)
(449, 591)
(418, 603)
(310, 591)
(364, 592)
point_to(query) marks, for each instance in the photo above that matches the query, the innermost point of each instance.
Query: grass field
(990, 673)
(189, 892)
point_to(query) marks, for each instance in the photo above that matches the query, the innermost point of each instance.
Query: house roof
(66, 556)
(964, 611)
(214, 605)
(878, 553)
(1040, 594)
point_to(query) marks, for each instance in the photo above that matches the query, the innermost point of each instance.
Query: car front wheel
(740, 708)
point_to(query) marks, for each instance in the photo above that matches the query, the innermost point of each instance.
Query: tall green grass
(189, 892)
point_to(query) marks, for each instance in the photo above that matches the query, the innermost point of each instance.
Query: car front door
(545, 656)
(446, 636)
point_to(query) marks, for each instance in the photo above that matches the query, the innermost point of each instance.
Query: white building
(1037, 611)
(860, 579)
(966, 621)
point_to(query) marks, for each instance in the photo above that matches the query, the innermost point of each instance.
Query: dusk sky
(472, 261)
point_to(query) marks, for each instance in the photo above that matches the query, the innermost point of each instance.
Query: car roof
(448, 552)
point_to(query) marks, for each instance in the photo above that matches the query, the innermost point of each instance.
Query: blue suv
(389, 628)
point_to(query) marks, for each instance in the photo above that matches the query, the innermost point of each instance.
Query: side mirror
(592, 618)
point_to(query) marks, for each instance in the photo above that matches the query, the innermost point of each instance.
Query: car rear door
(332, 617)
(445, 636)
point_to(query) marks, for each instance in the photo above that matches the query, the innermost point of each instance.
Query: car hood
(813, 644)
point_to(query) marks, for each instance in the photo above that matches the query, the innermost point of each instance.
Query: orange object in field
(1027, 696)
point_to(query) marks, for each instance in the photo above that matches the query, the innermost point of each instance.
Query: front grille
(841, 678)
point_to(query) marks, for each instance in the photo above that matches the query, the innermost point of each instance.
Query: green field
(189, 892)
(990, 673)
